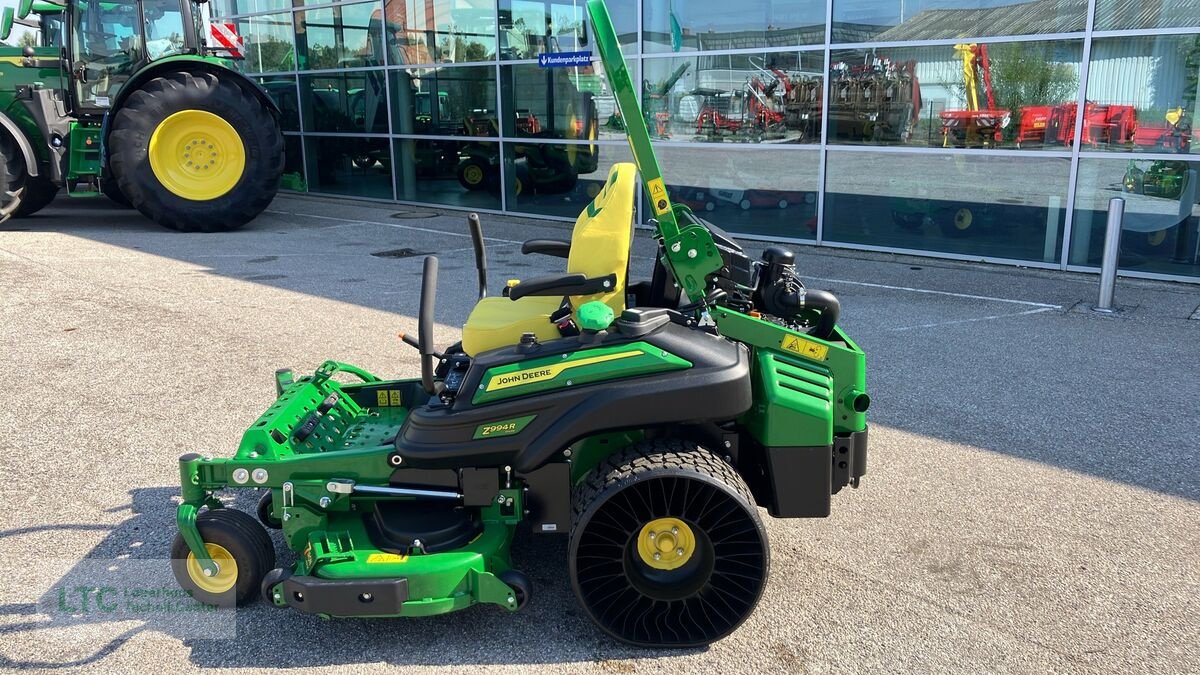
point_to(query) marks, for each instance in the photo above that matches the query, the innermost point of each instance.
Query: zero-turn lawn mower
(646, 421)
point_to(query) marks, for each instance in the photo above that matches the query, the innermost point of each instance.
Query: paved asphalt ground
(1033, 501)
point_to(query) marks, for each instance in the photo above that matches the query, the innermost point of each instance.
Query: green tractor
(127, 99)
(645, 421)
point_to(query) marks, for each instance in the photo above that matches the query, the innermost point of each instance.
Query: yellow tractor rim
(197, 155)
(1156, 238)
(666, 543)
(963, 218)
(226, 575)
(473, 174)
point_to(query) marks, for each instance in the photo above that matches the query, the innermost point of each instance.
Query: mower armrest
(563, 284)
(554, 247)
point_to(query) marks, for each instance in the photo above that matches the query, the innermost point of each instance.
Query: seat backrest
(603, 234)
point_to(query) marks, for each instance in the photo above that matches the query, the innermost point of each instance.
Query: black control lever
(480, 252)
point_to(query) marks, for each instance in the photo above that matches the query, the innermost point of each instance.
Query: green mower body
(648, 436)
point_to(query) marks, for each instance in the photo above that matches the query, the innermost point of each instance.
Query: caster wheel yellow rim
(226, 576)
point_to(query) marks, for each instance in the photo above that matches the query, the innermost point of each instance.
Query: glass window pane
(450, 101)
(293, 165)
(897, 20)
(439, 31)
(569, 103)
(1117, 14)
(1008, 94)
(746, 190)
(1159, 232)
(346, 102)
(345, 36)
(772, 98)
(360, 167)
(690, 25)
(455, 173)
(231, 7)
(282, 90)
(1142, 94)
(556, 179)
(531, 27)
(268, 43)
(983, 205)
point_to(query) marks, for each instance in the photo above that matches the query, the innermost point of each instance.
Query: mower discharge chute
(644, 420)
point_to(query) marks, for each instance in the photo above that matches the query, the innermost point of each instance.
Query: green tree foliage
(1025, 74)
(269, 55)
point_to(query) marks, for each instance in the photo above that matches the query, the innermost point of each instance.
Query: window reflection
(1159, 231)
(971, 204)
(1142, 94)
(691, 25)
(349, 166)
(347, 102)
(558, 179)
(969, 95)
(564, 103)
(439, 31)
(1118, 14)
(344, 36)
(282, 90)
(752, 190)
(268, 43)
(458, 101)
(773, 98)
(455, 173)
(902, 20)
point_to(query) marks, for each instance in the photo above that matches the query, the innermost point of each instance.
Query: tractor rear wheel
(667, 548)
(196, 152)
(113, 191)
(23, 195)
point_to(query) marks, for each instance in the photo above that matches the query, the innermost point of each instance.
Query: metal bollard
(1112, 251)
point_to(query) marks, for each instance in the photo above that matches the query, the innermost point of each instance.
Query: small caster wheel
(522, 587)
(266, 505)
(242, 550)
(273, 578)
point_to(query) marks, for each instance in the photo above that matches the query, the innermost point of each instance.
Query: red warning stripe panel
(226, 36)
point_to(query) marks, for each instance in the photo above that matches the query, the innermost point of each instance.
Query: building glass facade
(976, 129)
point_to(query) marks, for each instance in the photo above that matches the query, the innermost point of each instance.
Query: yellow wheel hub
(963, 218)
(666, 543)
(473, 174)
(197, 155)
(226, 575)
(1156, 238)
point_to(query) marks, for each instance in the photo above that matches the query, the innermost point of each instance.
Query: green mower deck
(644, 420)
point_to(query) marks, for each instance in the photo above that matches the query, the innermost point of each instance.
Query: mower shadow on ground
(135, 555)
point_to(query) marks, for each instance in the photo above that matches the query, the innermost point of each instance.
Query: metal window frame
(823, 147)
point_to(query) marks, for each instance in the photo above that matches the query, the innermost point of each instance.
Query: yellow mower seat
(600, 246)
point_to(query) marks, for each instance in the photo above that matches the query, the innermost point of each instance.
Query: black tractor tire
(24, 195)
(113, 191)
(247, 543)
(722, 564)
(145, 109)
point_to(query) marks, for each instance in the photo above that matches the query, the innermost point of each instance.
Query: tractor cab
(110, 41)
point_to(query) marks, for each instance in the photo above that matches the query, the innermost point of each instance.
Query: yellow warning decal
(549, 372)
(806, 348)
(658, 195)
(387, 398)
(386, 558)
